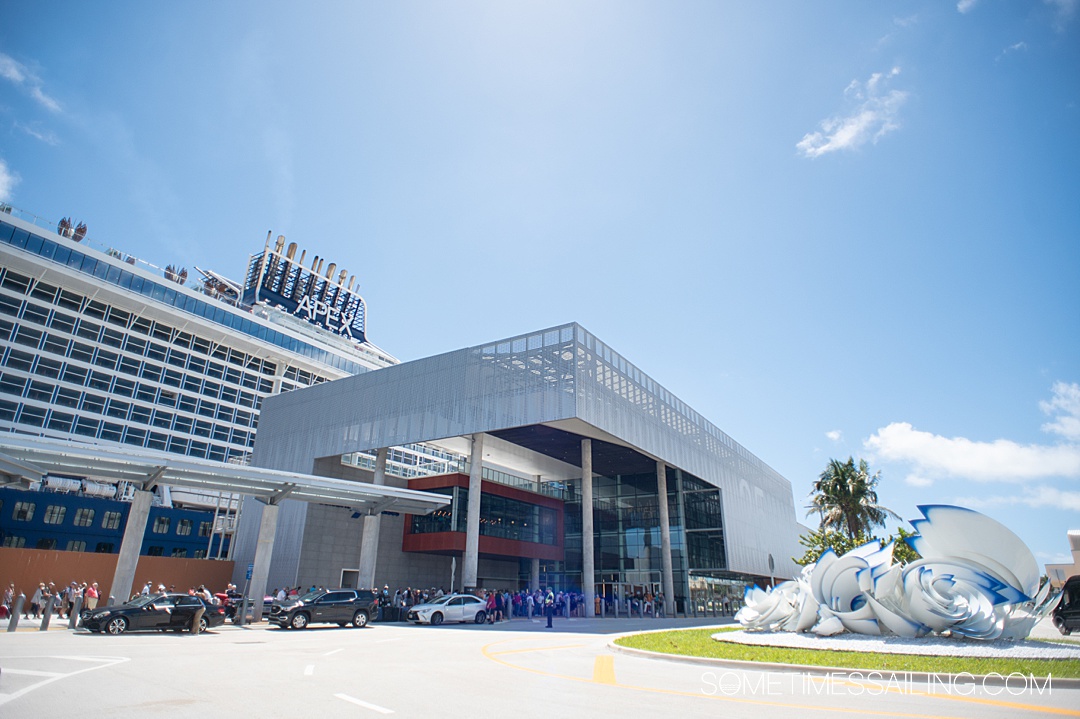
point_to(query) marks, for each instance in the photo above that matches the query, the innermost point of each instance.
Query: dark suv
(1067, 613)
(329, 606)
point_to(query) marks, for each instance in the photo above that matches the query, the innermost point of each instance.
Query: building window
(154, 551)
(161, 525)
(111, 520)
(200, 554)
(179, 553)
(14, 542)
(183, 527)
(204, 529)
(104, 547)
(84, 517)
(61, 422)
(34, 416)
(76, 545)
(47, 543)
(54, 514)
(24, 511)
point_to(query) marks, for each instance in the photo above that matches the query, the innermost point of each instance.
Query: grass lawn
(699, 643)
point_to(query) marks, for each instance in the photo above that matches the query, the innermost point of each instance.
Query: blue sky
(832, 228)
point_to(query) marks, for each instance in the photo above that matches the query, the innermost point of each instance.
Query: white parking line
(32, 673)
(335, 651)
(366, 705)
(50, 677)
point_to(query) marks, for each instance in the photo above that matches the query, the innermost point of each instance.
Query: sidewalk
(34, 625)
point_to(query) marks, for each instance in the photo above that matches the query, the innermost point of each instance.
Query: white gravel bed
(935, 646)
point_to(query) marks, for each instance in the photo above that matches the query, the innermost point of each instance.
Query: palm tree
(846, 498)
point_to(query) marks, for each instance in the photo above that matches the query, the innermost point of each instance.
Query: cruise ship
(98, 345)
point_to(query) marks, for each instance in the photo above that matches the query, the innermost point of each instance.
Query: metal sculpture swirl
(976, 579)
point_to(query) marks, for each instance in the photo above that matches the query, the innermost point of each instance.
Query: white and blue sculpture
(975, 579)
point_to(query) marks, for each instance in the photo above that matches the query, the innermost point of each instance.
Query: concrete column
(472, 525)
(665, 540)
(131, 546)
(588, 568)
(369, 541)
(264, 550)
(534, 575)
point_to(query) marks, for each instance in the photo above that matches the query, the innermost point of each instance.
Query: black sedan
(153, 612)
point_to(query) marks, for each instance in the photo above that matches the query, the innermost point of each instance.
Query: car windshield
(309, 597)
(440, 600)
(142, 600)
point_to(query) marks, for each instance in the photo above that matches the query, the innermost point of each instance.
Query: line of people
(64, 599)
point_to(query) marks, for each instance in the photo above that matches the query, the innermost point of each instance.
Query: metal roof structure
(26, 459)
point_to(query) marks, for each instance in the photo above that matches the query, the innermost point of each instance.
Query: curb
(981, 679)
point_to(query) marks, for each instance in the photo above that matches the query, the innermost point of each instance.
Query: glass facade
(626, 534)
(500, 517)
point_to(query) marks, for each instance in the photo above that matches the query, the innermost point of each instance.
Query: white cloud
(11, 70)
(835, 435)
(966, 5)
(914, 480)
(18, 74)
(874, 115)
(1066, 404)
(1015, 47)
(1000, 460)
(8, 180)
(45, 136)
(1064, 10)
(1037, 497)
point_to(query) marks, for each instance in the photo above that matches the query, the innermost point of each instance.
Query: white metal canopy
(24, 459)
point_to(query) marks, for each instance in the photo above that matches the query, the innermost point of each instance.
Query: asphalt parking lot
(452, 670)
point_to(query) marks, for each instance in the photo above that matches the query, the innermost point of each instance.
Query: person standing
(35, 602)
(549, 605)
(92, 596)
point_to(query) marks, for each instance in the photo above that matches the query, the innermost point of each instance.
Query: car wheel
(360, 619)
(436, 619)
(117, 625)
(480, 618)
(299, 621)
(204, 624)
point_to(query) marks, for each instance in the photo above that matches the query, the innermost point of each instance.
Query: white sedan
(450, 608)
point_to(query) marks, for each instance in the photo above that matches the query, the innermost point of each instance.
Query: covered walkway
(29, 459)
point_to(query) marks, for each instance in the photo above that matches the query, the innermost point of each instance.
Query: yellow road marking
(604, 670)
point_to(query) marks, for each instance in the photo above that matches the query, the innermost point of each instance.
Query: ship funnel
(330, 270)
(291, 252)
(341, 277)
(280, 244)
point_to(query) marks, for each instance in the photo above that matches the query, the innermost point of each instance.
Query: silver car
(449, 608)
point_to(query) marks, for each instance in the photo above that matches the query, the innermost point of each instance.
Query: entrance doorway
(350, 578)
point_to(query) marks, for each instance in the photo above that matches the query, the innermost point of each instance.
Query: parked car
(449, 608)
(153, 612)
(1067, 613)
(331, 606)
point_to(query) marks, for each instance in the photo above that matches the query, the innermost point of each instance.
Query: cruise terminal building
(533, 428)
